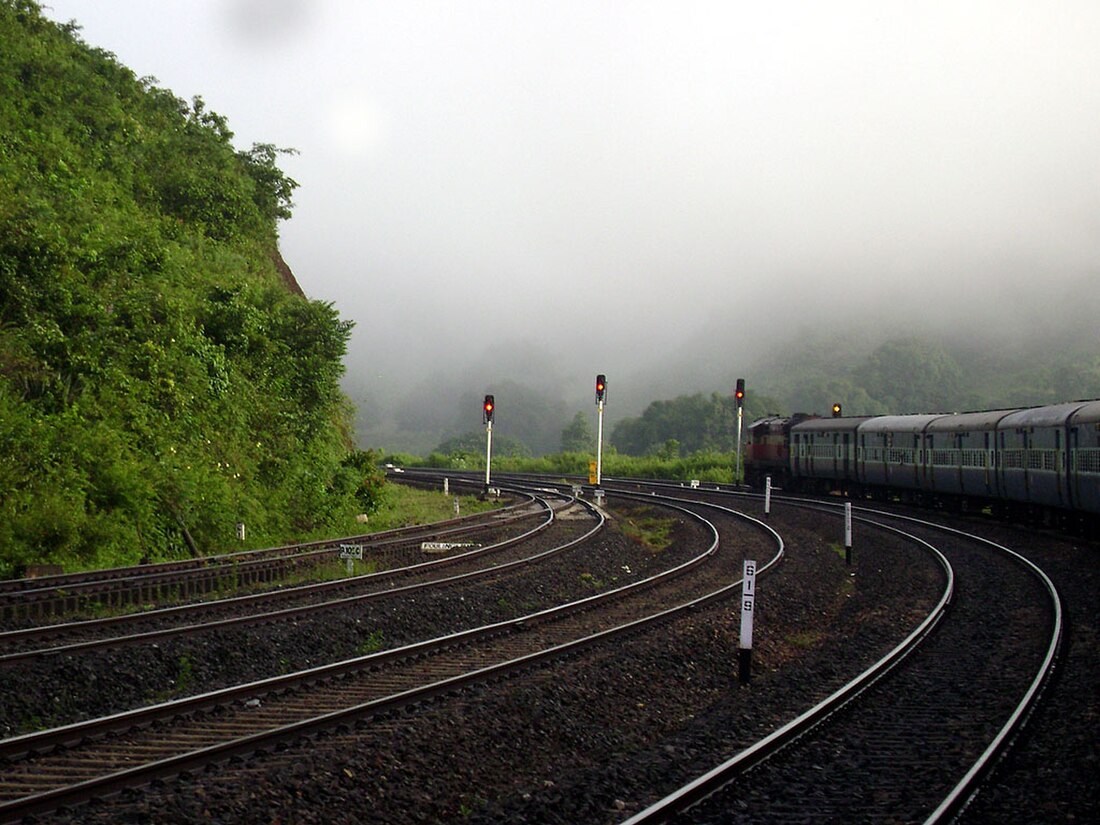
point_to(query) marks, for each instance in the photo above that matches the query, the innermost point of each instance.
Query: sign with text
(748, 603)
(351, 551)
(444, 546)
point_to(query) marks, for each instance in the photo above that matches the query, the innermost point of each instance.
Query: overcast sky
(592, 174)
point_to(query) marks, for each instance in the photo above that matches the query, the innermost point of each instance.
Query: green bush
(159, 382)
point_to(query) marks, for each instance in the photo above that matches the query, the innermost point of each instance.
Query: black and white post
(847, 532)
(748, 605)
(767, 497)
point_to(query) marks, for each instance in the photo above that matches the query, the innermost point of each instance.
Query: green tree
(158, 380)
(578, 436)
(696, 422)
(909, 375)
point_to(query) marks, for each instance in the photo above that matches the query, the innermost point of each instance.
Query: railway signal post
(739, 397)
(487, 411)
(601, 395)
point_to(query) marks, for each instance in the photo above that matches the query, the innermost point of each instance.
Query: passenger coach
(1039, 461)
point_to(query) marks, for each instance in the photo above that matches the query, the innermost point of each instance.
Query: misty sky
(591, 175)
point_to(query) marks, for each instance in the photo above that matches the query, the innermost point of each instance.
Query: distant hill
(162, 377)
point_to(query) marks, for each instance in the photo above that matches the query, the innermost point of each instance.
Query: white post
(488, 451)
(599, 442)
(767, 496)
(740, 415)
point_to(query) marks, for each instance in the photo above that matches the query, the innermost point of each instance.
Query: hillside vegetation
(160, 381)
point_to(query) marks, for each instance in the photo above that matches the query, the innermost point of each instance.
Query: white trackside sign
(351, 551)
(748, 603)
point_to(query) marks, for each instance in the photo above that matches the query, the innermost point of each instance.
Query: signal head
(739, 393)
(836, 410)
(601, 387)
(488, 408)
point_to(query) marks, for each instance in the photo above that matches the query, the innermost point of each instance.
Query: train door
(990, 459)
(845, 460)
(917, 454)
(1059, 468)
(1072, 481)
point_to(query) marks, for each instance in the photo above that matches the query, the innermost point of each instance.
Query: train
(1041, 464)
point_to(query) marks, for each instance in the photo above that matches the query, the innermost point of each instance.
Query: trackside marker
(351, 552)
(767, 497)
(847, 532)
(748, 605)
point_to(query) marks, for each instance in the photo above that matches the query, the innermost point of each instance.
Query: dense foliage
(902, 375)
(159, 381)
(688, 424)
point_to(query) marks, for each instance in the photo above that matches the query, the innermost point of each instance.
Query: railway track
(401, 785)
(185, 735)
(506, 550)
(26, 602)
(912, 737)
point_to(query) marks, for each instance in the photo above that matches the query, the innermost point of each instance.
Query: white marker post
(351, 552)
(767, 497)
(601, 393)
(847, 532)
(488, 409)
(739, 399)
(488, 451)
(748, 605)
(740, 472)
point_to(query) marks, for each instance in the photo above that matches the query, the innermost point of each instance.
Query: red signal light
(488, 408)
(739, 393)
(601, 387)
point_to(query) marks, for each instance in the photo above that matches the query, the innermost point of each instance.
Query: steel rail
(700, 788)
(62, 580)
(22, 656)
(203, 577)
(969, 785)
(49, 800)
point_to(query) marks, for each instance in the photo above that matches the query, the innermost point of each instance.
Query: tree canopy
(158, 381)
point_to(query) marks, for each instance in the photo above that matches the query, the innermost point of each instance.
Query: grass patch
(806, 639)
(588, 580)
(372, 643)
(653, 532)
(406, 506)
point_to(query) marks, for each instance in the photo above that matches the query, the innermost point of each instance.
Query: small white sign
(748, 602)
(848, 524)
(695, 484)
(444, 546)
(351, 551)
